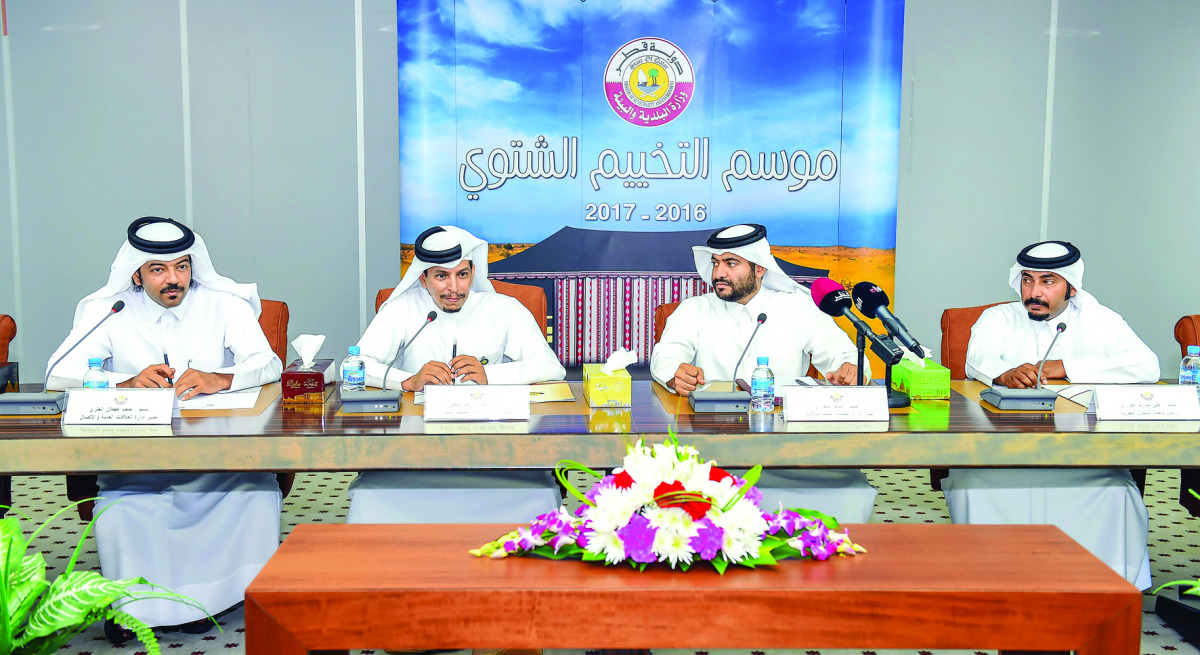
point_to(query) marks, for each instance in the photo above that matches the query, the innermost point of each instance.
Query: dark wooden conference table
(960, 432)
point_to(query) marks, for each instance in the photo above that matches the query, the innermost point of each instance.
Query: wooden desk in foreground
(938, 434)
(920, 586)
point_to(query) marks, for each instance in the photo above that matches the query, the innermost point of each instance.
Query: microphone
(1058, 329)
(833, 299)
(429, 318)
(117, 306)
(762, 318)
(374, 402)
(872, 301)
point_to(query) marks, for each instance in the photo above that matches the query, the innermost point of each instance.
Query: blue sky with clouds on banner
(770, 75)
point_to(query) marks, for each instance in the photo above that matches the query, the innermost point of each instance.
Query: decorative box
(10, 379)
(930, 382)
(304, 386)
(602, 389)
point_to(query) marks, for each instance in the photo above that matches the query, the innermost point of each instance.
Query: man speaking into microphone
(478, 337)
(706, 335)
(182, 325)
(1100, 508)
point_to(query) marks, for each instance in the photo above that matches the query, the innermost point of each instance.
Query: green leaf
(593, 557)
(71, 597)
(764, 558)
(143, 632)
(24, 588)
(751, 479)
(1192, 586)
(548, 552)
(560, 472)
(720, 564)
(828, 520)
(12, 555)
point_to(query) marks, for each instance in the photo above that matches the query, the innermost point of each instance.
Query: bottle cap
(1194, 350)
(354, 350)
(94, 361)
(762, 361)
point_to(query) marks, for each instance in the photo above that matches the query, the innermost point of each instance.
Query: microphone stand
(896, 398)
(861, 342)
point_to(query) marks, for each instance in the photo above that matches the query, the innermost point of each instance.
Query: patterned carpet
(904, 497)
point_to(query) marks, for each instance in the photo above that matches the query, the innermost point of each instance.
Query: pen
(454, 350)
(167, 361)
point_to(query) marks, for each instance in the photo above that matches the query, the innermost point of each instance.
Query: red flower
(623, 480)
(716, 474)
(695, 507)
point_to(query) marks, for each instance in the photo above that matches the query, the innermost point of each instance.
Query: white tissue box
(602, 389)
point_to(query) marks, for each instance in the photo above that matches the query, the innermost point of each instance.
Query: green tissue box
(930, 382)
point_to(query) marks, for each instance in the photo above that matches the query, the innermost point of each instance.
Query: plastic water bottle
(354, 371)
(762, 388)
(1189, 368)
(95, 378)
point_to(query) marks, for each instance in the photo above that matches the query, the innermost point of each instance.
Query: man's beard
(739, 288)
(1037, 317)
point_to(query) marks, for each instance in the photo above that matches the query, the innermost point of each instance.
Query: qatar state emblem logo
(649, 82)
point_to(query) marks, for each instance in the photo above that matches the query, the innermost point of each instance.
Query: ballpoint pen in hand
(167, 361)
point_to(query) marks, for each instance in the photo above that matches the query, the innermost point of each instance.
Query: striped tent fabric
(597, 314)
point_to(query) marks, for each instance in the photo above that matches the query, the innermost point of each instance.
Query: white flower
(673, 547)
(608, 544)
(739, 546)
(613, 508)
(671, 519)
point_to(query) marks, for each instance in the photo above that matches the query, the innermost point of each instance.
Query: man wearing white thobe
(706, 334)
(1102, 509)
(203, 535)
(478, 337)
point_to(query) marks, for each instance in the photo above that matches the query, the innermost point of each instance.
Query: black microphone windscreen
(836, 303)
(762, 318)
(431, 315)
(868, 298)
(118, 306)
(1060, 327)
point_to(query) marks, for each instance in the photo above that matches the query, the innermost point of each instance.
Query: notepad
(244, 399)
(542, 392)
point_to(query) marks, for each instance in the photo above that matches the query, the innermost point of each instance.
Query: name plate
(1142, 402)
(477, 402)
(119, 407)
(834, 403)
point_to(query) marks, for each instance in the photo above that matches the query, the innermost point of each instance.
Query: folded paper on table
(244, 399)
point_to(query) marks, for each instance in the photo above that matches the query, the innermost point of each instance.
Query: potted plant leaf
(40, 616)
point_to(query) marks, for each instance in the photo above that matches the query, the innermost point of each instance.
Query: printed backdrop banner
(593, 142)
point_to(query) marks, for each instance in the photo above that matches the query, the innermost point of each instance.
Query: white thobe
(1102, 509)
(202, 535)
(710, 333)
(490, 326)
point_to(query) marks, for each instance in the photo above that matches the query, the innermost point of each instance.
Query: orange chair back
(274, 323)
(956, 334)
(664, 311)
(532, 297)
(1187, 332)
(8, 330)
(660, 318)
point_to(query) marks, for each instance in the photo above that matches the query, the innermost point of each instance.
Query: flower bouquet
(665, 504)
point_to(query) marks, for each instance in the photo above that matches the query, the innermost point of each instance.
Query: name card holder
(119, 407)
(477, 402)
(835, 403)
(1147, 402)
